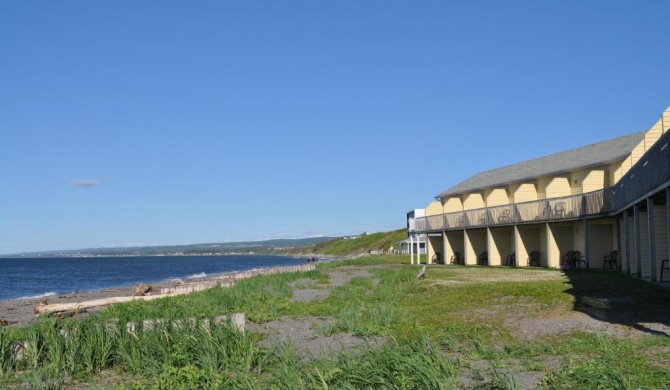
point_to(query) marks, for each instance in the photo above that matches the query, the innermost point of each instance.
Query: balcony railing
(648, 174)
(555, 209)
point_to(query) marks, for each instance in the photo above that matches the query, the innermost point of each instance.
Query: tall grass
(7, 360)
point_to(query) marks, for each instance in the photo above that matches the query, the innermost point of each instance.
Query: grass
(455, 324)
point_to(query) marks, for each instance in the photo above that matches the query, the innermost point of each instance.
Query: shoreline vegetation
(365, 322)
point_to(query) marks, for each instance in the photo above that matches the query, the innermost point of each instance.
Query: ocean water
(23, 277)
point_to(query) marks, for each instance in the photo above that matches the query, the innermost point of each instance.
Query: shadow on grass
(621, 299)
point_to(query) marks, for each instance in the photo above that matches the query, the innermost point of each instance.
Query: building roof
(600, 153)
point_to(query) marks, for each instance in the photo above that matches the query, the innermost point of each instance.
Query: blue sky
(128, 123)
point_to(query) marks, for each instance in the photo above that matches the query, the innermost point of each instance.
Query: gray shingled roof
(584, 157)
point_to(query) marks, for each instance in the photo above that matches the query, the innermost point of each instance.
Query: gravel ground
(306, 336)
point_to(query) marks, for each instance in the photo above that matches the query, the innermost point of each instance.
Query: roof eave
(445, 194)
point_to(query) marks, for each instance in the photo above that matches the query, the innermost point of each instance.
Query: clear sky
(128, 123)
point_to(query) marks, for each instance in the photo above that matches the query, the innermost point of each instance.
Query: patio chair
(578, 259)
(460, 222)
(483, 258)
(567, 259)
(534, 258)
(437, 258)
(665, 264)
(559, 210)
(456, 258)
(504, 216)
(511, 259)
(611, 259)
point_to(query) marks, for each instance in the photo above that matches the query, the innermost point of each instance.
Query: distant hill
(267, 246)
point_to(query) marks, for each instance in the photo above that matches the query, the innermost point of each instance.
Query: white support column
(517, 246)
(667, 213)
(495, 257)
(652, 239)
(445, 247)
(638, 244)
(418, 248)
(585, 227)
(617, 226)
(411, 248)
(626, 240)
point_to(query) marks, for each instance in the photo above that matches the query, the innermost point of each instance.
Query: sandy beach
(21, 311)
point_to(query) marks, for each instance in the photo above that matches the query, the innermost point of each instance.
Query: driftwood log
(142, 290)
(78, 307)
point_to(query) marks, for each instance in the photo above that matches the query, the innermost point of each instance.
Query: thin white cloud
(85, 182)
(312, 233)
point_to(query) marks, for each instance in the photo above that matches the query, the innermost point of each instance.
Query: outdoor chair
(437, 258)
(559, 210)
(665, 264)
(611, 259)
(534, 258)
(568, 260)
(511, 259)
(578, 259)
(456, 258)
(460, 222)
(504, 216)
(483, 258)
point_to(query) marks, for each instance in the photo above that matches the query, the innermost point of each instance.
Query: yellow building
(572, 208)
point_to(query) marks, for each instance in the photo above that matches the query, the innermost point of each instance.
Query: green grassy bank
(460, 327)
(363, 244)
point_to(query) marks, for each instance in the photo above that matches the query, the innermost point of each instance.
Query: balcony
(596, 203)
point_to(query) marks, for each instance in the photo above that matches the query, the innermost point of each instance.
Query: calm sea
(21, 277)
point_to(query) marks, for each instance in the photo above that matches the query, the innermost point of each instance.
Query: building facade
(574, 208)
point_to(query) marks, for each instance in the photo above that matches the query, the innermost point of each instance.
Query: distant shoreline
(157, 255)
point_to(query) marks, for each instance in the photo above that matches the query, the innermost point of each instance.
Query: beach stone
(131, 327)
(239, 321)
